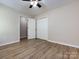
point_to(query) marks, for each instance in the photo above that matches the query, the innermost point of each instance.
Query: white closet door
(42, 28)
(31, 28)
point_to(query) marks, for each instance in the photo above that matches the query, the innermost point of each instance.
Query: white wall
(63, 24)
(31, 28)
(9, 25)
(42, 28)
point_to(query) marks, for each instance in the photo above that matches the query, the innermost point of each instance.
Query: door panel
(42, 28)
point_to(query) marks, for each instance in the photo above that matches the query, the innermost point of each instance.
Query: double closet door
(42, 28)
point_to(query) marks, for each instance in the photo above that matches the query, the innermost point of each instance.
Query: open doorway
(23, 28)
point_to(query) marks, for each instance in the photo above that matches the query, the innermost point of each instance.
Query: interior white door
(31, 28)
(42, 28)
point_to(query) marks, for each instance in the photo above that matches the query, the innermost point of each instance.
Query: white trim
(10, 43)
(75, 46)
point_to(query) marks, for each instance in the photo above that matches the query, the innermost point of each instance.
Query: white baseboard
(75, 46)
(10, 43)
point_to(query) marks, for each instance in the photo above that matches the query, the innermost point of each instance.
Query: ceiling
(23, 6)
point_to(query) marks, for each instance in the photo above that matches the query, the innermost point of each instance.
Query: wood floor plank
(38, 49)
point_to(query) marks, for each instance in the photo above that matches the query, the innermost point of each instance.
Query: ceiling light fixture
(34, 3)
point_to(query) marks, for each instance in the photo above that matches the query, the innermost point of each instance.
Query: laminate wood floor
(38, 49)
